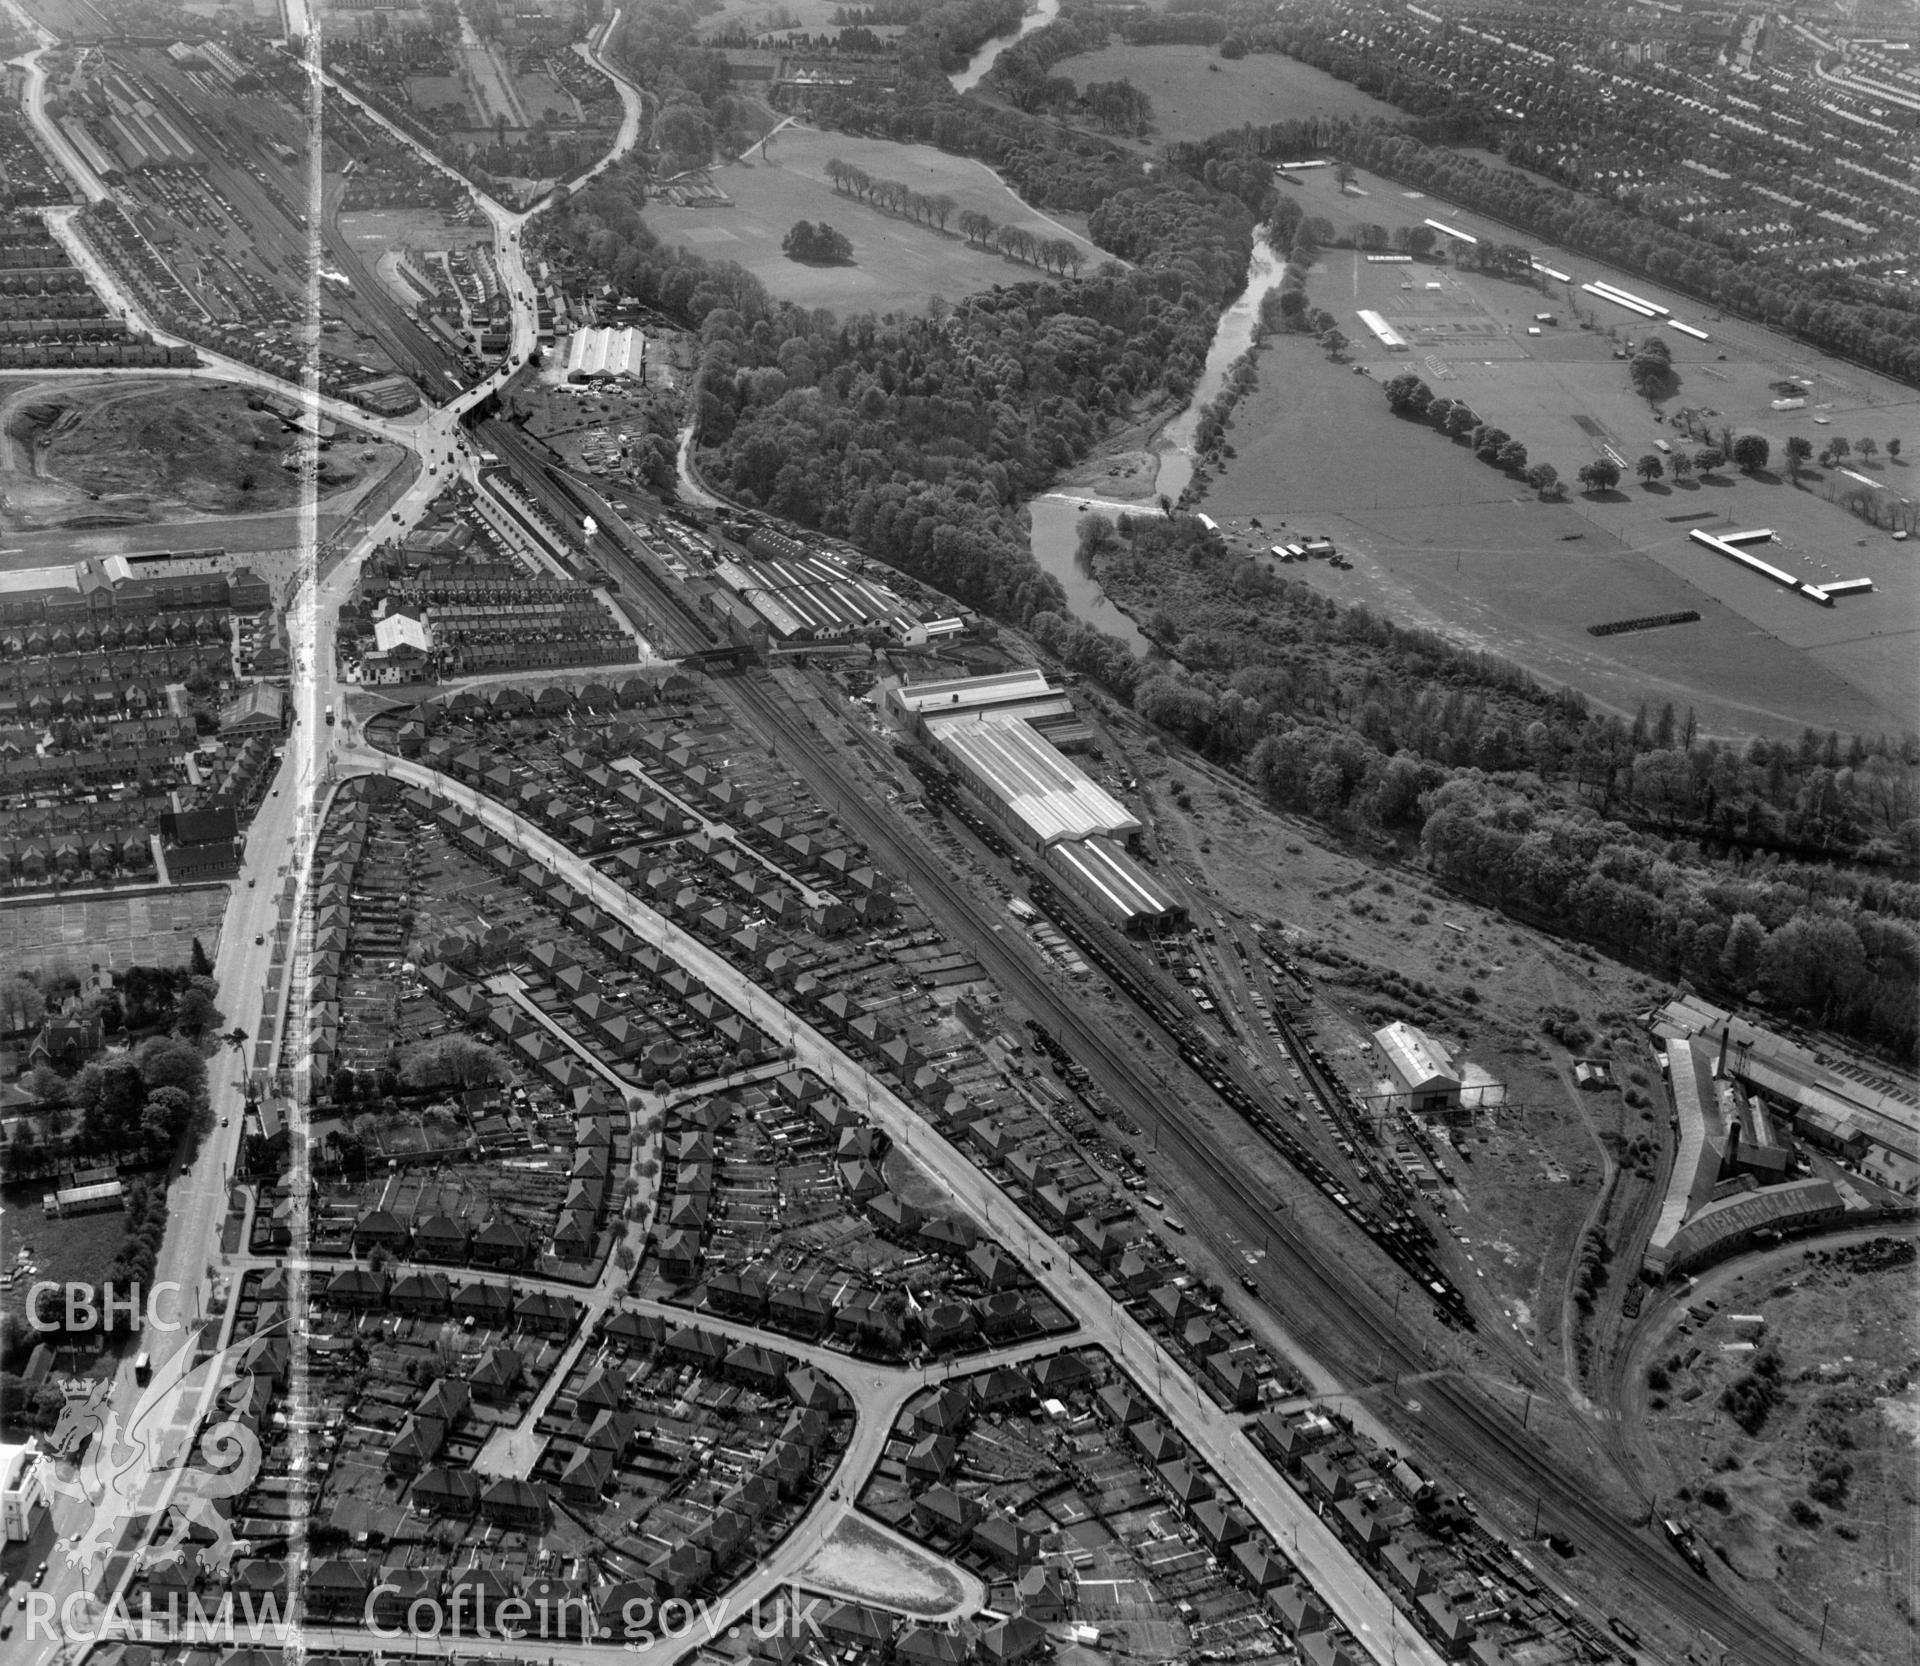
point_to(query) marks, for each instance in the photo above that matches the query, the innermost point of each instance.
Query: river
(965, 80)
(1055, 516)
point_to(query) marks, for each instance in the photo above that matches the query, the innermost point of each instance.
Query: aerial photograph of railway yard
(903, 832)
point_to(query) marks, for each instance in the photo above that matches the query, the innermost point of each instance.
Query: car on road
(1250, 1284)
(224, 1121)
(260, 937)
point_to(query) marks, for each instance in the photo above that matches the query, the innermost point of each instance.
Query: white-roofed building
(954, 695)
(85, 1200)
(598, 355)
(1423, 1075)
(1696, 1165)
(29, 586)
(1117, 886)
(400, 629)
(1039, 794)
(23, 1489)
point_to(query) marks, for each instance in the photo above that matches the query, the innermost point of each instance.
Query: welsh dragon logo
(148, 1459)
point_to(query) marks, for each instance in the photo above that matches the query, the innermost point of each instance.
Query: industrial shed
(1024, 694)
(1723, 1228)
(1038, 793)
(1696, 1166)
(1423, 1076)
(1106, 876)
(952, 696)
(599, 355)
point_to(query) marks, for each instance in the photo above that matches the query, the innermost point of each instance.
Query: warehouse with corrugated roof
(1039, 794)
(1424, 1078)
(1101, 873)
(599, 355)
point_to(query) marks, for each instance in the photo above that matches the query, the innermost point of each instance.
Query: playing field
(761, 17)
(147, 928)
(1439, 536)
(898, 264)
(1197, 93)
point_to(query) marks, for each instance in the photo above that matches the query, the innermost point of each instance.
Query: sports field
(1439, 536)
(1197, 93)
(898, 264)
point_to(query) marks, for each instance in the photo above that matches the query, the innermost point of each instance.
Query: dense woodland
(1756, 870)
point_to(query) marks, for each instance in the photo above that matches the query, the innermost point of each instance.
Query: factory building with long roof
(1002, 736)
(1040, 794)
(1116, 886)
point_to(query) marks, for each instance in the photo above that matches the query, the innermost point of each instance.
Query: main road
(257, 958)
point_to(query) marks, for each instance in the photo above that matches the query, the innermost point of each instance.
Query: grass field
(1197, 93)
(540, 95)
(860, 1560)
(151, 928)
(770, 16)
(57, 1251)
(1442, 539)
(898, 265)
(70, 19)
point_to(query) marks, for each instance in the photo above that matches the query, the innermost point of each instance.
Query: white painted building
(596, 355)
(1423, 1075)
(23, 1489)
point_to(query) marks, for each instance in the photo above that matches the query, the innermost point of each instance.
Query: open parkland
(1438, 537)
(898, 263)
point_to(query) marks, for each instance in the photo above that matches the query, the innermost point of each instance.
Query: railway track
(681, 632)
(1334, 1308)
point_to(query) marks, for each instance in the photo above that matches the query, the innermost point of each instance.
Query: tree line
(1409, 396)
(1059, 254)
